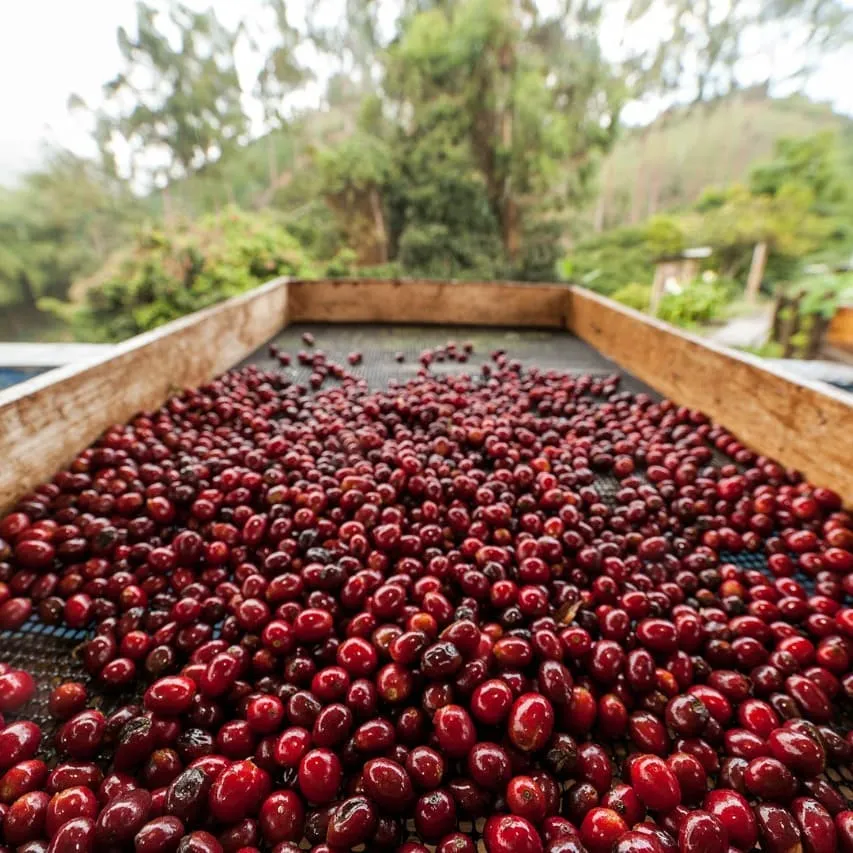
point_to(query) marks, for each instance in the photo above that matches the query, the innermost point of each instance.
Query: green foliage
(823, 295)
(669, 164)
(444, 223)
(636, 296)
(354, 174)
(703, 43)
(509, 112)
(698, 302)
(171, 272)
(733, 221)
(281, 72)
(771, 349)
(794, 204)
(609, 261)
(809, 162)
(179, 100)
(359, 162)
(341, 265)
(57, 226)
(457, 139)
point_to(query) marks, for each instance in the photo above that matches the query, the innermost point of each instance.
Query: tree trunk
(792, 327)
(510, 217)
(379, 225)
(604, 199)
(776, 327)
(167, 203)
(655, 185)
(511, 229)
(640, 172)
(756, 271)
(816, 332)
(598, 216)
(28, 296)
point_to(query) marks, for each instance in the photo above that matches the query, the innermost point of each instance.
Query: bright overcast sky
(50, 49)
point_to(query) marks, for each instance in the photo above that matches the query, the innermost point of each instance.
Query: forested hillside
(668, 164)
(472, 138)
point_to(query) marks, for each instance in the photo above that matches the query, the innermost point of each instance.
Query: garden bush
(610, 261)
(699, 302)
(634, 295)
(175, 270)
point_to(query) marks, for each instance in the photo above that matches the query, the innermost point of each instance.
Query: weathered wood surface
(420, 301)
(46, 420)
(840, 332)
(806, 425)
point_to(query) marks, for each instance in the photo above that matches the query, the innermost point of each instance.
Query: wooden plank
(45, 421)
(419, 301)
(756, 271)
(804, 424)
(840, 332)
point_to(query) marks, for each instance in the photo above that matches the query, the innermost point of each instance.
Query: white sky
(50, 49)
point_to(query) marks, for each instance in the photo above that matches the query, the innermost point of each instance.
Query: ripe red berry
(511, 834)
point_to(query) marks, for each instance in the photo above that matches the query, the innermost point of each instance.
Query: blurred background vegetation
(453, 139)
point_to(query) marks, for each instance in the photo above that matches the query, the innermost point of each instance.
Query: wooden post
(688, 271)
(756, 270)
(816, 332)
(776, 327)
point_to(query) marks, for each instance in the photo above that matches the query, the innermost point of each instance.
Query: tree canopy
(446, 138)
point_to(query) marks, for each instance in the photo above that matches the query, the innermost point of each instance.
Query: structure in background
(673, 272)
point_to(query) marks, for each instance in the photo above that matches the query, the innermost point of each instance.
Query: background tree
(281, 73)
(529, 96)
(355, 173)
(705, 45)
(445, 138)
(176, 104)
(56, 227)
(734, 220)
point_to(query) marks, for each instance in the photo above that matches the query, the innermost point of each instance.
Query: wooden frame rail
(46, 420)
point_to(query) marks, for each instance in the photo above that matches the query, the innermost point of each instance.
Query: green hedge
(175, 270)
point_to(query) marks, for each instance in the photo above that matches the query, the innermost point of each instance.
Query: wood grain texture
(805, 425)
(45, 421)
(419, 301)
(840, 332)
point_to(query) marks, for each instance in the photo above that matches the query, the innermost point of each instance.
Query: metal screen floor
(550, 350)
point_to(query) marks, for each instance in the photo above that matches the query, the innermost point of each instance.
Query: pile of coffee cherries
(496, 609)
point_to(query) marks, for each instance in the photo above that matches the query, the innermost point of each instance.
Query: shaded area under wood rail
(46, 421)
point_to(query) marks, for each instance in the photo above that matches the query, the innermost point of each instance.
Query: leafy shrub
(609, 261)
(824, 294)
(174, 271)
(636, 296)
(698, 302)
(771, 349)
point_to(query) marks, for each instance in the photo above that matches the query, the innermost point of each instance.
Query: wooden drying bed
(45, 421)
